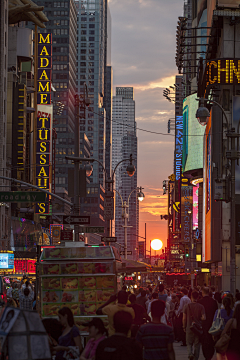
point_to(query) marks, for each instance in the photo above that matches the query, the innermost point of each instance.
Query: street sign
(76, 220)
(108, 239)
(128, 252)
(108, 208)
(81, 238)
(92, 229)
(22, 196)
(66, 235)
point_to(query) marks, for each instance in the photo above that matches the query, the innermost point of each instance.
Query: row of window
(84, 32)
(84, 45)
(62, 49)
(91, 26)
(60, 31)
(84, 38)
(64, 151)
(60, 85)
(60, 67)
(60, 58)
(60, 22)
(84, 51)
(90, 57)
(60, 4)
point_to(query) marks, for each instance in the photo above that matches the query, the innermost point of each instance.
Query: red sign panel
(24, 266)
(66, 235)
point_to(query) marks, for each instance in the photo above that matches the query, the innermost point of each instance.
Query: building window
(91, 26)
(91, 38)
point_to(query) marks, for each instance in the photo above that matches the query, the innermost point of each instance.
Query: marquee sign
(178, 146)
(44, 69)
(44, 120)
(223, 71)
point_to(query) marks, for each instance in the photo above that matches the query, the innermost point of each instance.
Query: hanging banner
(186, 213)
(178, 146)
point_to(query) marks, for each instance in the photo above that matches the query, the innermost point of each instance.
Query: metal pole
(150, 253)
(145, 240)
(76, 166)
(233, 237)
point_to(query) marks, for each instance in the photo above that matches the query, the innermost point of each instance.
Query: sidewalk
(181, 352)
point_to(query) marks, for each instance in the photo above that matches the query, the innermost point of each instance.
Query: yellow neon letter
(226, 70)
(45, 76)
(46, 39)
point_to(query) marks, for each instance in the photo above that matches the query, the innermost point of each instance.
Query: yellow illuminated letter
(43, 121)
(234, 70)
(44, 180)
(43, 99)
(43, 159)
(226, 70)
(44, 52)
(44, 40)
(42, 172)
(212, 81)
(42, 208)
(41, 136)
(45, 76)
(41, 62)
(43, 146)
(42, 88)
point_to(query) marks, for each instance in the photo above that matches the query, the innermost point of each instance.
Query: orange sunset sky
(143, 47)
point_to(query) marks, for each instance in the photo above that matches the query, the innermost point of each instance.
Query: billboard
(178, 146)
(193, 132)
(141, 249)
(206, 233)
(6, 261)
(195, 207)
(186, 212)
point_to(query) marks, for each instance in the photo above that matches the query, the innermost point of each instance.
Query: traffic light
(187, 251)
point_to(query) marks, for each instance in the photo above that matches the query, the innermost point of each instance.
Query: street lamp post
(125, 214)
(108, 182)
(85, 102)
(203, 116)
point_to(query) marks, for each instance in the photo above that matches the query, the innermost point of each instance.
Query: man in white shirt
(183, 301)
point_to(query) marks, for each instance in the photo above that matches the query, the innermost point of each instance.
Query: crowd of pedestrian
(146, 324)
(22, 295)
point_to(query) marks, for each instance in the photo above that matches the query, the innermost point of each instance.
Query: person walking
(97, 333)
(70, 335)
(141, 315)
(119, 346)
(162, 295)
(156, 338)
(154, 298)
(227, 312)
(193, 312)
(210, 306)
(141, 300)
(183, 302)
(111, 309)
(26, 299)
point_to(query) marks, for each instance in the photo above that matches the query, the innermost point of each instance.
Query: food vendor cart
(80, 277)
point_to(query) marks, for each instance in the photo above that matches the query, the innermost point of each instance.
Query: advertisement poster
(195, 207)
(186, 213)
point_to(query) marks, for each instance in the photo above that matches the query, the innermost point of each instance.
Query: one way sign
(76, 220)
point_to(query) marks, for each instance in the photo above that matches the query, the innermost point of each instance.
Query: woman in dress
(70, 335)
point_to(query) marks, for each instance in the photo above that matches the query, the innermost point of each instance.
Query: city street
(181, 352)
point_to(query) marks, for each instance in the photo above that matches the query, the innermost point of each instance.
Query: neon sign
(178, 146)
(223, 71)
(44, 69)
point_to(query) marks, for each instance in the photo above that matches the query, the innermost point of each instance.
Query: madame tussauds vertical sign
(44, 135)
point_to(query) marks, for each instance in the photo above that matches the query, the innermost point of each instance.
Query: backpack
(124, 351)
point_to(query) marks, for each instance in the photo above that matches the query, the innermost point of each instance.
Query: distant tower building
(125, 143)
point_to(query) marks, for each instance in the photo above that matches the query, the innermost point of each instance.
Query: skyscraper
(93, 56)
(124, 141)
(62, 24)
(91, 69)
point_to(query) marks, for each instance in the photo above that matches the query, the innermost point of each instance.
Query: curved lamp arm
(119, 195)
(118, 165)
(73, 158)
(216, 103)
(137, 188)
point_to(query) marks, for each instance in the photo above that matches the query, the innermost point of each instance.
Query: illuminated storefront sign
(24, 266)
(178, 146)
(44, 69)
(223, 71)
(186, 212)
(207, 229)
(195, 206)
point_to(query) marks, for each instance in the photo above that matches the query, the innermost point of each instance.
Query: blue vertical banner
(178, 146)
